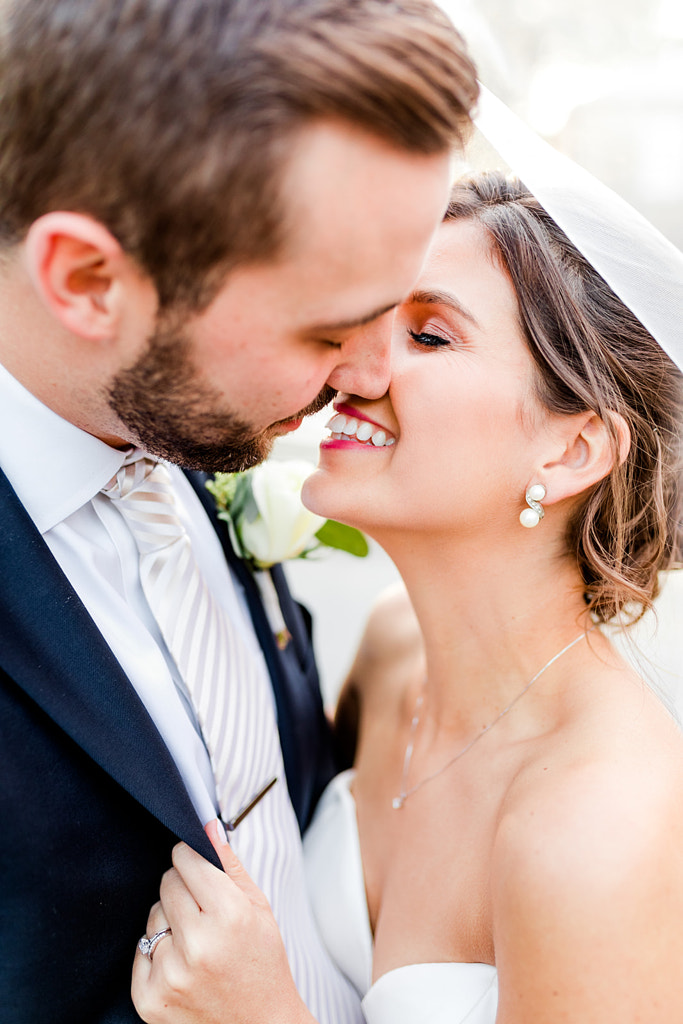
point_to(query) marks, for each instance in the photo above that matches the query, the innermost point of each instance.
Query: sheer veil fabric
(639, 264)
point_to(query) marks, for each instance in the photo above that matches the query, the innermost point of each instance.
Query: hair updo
(591, 353)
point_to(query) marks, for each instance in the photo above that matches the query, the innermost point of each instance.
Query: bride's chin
(322, 495)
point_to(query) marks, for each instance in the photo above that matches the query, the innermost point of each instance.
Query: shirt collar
(54, 466)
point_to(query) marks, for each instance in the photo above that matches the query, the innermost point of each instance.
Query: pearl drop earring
(532, 515)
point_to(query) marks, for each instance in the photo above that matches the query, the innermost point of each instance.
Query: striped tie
(235, 715)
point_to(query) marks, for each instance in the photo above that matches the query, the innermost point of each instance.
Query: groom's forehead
(339, 178)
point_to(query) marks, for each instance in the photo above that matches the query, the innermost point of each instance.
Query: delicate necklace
(399, 800)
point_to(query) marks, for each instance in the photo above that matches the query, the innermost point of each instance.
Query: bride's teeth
(337, 423)
(350, 426)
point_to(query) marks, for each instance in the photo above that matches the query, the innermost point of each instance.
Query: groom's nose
(364, 367)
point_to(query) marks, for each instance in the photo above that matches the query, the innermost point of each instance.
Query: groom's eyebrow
(443, 299)
(359, 321)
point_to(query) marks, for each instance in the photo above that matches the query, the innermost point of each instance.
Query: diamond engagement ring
(147, 946)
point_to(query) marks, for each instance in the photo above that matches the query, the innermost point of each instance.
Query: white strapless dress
(442, 993)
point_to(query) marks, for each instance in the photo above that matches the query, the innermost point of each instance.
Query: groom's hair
(171, 121)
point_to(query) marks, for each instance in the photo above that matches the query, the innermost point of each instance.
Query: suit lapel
(51, 648)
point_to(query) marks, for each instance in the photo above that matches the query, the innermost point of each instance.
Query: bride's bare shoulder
(604, 770)
(587, 867)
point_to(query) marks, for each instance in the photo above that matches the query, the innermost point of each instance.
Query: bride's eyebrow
(443, 299)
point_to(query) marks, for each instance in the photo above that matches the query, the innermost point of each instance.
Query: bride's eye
(427, 339)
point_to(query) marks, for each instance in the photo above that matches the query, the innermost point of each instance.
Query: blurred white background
(600, 79)
(603, 81)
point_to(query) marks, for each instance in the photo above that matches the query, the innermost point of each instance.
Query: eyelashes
(428, 340)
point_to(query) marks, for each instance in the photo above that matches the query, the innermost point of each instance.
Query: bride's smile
(459, 425)
(350, 425)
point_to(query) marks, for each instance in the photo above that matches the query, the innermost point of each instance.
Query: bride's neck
(491, 615)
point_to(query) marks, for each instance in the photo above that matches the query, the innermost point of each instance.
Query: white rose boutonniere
(268, 523)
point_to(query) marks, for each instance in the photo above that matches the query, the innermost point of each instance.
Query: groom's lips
(286, 426)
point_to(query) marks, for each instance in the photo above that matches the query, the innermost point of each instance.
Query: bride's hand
(224, 961)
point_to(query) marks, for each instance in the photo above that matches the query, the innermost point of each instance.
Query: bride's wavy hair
(591, 353)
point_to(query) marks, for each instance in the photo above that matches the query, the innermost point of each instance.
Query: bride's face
(461, 426)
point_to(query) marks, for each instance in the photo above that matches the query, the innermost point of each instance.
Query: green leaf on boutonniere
(223, 487)
(345, 538)
(243, 503)
(234, 498)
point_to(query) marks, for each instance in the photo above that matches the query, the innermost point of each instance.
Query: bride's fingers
(232, 866)
(178, 902)
(149, 985)
(177, 910)
(225, 941)
(139, 986)
(215, 830)
(157, 920)
(228, 893)
(143, 965)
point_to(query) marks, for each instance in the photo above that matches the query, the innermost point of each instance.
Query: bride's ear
(587, 454)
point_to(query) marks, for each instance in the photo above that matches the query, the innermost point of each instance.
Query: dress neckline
(343, 782)
(422, 993)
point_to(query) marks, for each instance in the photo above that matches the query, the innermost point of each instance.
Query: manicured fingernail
(215, 830)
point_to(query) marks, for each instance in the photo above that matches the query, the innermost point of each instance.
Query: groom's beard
(173, 415)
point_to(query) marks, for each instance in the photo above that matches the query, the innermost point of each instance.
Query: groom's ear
(587, 453)
(82, 274)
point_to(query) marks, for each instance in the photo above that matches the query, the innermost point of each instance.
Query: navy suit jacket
(91, 802)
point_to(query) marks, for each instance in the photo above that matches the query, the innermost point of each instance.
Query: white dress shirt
(57, 471)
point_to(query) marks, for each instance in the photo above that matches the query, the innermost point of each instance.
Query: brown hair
(169, 120)
(591, 353)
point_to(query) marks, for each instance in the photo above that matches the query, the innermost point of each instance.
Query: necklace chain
(399, 800)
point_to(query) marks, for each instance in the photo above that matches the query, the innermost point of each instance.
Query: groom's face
(281, 337)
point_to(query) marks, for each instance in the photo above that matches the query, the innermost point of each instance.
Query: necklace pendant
(398, 802)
